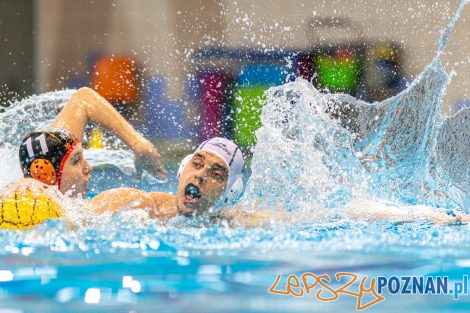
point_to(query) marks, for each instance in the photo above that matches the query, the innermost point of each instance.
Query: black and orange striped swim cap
(43, 153)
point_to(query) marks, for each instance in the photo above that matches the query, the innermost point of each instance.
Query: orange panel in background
(116, 79)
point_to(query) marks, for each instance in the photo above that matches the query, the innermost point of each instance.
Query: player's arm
(86, 105)
(159, 205)
(238, 217)
(403, 216)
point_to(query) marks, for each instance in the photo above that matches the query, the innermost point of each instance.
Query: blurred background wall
(16, 49)
(53, 44)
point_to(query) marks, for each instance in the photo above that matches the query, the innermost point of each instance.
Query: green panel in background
(247, 107)
(338, 74)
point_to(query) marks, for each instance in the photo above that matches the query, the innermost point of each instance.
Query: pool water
(404, 156)
(123, 265)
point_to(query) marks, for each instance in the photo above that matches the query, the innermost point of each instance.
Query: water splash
(304, 160)
(23, 116)
(302, 155)
(444, 39)
(453, 156)
(387, 149)
(401, 149)
(30, 113)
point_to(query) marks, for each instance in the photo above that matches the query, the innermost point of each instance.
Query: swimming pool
(406, 158)
(123, 265)
(126, 263)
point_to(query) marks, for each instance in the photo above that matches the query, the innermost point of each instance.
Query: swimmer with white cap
(208, 179)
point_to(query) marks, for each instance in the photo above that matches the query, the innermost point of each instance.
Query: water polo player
(209, 178)
(54, 156)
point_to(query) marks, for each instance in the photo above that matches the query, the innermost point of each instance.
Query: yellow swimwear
(18, 212)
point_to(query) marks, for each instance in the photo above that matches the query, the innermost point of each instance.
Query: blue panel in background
(262, 74)
(164, 118)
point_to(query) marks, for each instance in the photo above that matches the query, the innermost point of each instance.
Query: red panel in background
(304, 66)
(213, 98)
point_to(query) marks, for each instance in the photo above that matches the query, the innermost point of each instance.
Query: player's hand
(148, 158)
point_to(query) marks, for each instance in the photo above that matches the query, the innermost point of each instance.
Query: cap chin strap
(230, 196)
(64, 159)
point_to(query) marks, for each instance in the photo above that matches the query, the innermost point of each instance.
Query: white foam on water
(385, 150)
(401, 149)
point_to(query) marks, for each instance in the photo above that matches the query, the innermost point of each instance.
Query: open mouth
(192, 193)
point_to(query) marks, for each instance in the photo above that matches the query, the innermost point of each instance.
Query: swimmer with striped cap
(52, 158)
(48, 157)
(55, 157)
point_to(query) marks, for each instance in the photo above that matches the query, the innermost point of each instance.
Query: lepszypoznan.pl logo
(404, 285)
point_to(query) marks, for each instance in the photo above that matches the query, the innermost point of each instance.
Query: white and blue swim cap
(229, 152)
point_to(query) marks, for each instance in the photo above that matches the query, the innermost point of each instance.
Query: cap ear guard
(232, 195)
(43, 170)
(183, 164)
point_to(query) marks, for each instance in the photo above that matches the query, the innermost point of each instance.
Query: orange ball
(115, 78)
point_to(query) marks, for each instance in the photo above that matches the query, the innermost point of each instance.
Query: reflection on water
(126, 265)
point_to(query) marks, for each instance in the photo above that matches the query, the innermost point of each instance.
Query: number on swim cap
(42, 142)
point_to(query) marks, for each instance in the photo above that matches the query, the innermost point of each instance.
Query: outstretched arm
(159, 205)
(87, 105)
(238, 217)
(402, 216)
